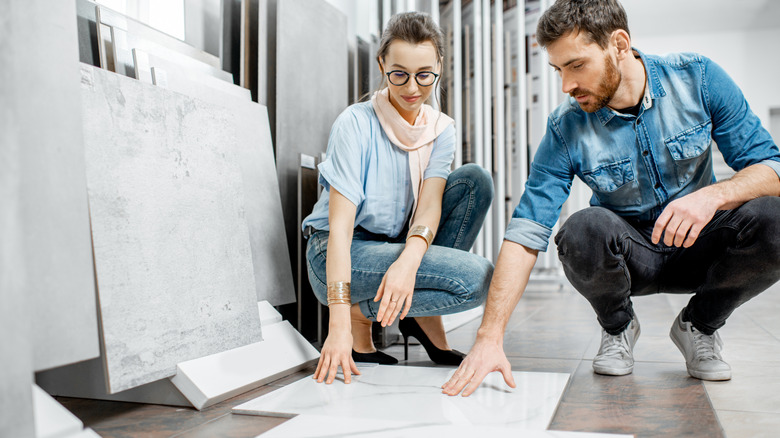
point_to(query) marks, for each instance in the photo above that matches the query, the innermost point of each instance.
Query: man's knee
(762, 217)
(587, 225)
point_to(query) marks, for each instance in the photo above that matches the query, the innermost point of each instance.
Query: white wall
(748, 56)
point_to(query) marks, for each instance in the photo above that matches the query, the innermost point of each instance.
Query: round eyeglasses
(423, 78)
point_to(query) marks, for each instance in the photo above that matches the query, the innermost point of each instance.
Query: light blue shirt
(636, 165)
(372, 173)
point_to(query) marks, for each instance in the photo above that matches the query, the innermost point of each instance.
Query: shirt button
(645, 153)
(657, 185)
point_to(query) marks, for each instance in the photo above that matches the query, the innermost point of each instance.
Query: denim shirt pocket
(687, 150)
(614, 184)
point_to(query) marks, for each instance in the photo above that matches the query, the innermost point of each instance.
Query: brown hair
(413, 28)
(597, 18)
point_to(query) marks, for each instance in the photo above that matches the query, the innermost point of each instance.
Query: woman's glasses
(423, 78)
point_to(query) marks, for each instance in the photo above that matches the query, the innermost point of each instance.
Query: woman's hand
(336, 351)
(396, 291)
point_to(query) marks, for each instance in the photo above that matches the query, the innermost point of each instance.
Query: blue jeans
(608, 259)
(449, 280)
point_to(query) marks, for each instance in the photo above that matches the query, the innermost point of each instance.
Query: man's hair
(597, 18)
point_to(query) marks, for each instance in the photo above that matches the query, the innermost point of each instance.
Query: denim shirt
(636, 165)
(372, 173)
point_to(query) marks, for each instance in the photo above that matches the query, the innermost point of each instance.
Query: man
(638, 130)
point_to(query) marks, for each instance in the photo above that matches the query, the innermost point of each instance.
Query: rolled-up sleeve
(741, 138)
(548, 186)
(442, 155)
(342, 166)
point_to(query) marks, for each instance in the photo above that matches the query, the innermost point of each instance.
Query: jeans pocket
(688, 148)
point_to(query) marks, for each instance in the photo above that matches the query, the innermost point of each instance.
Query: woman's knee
(480, 180)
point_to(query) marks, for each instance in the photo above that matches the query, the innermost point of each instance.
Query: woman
(389, 236)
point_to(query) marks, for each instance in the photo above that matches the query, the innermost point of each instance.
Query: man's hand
(683, 219)
(484, 358)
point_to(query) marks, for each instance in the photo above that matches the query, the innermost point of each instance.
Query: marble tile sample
(51, 418)
(56, 242)
(171, 243)
(212, 379)
(270, 254)
(317, 426)
(388, 392)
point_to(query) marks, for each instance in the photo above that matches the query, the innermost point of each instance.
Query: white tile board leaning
(270, 254)
(57, 245)
(51, 418)
(171, 243)
(318, 426)
(212, 379)
(414, 394)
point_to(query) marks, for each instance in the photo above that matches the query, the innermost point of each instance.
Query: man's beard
(607, 88)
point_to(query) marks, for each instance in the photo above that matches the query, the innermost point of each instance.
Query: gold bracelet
(421, 231)
(339, 293)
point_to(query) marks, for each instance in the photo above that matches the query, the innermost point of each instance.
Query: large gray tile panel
(310, 89)
(171, 243)
(16, 417)
(270, 255)
(57, 243)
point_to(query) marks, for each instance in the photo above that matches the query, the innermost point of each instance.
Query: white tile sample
(212, 379)
(414, 394)
(51, 418)
(268, 315)
(171, 243)
(317, 426)
(270, 254)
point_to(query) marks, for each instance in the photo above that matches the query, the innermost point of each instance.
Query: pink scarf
(415, 139)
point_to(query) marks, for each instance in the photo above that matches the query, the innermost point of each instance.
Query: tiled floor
(555, 331)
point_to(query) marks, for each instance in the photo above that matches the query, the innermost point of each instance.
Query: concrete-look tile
(752, 387)
(555, 341)
(170, 153)
(762, 350)
(740, 424)
(543, 365)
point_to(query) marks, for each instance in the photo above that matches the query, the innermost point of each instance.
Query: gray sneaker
(701, 352)
(616, 356)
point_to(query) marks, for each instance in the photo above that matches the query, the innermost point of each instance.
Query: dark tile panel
(234, 426)
(652, 385)
(642, 420)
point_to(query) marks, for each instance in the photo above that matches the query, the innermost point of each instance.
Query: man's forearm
(749, 183)
(510, 278)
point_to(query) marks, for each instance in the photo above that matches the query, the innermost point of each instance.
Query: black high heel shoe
(410, 327)
(375, 357)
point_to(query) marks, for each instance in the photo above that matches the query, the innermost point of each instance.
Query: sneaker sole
(715, 376)
(612, 371)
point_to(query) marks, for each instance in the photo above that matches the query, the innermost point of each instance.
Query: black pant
(608, 259)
